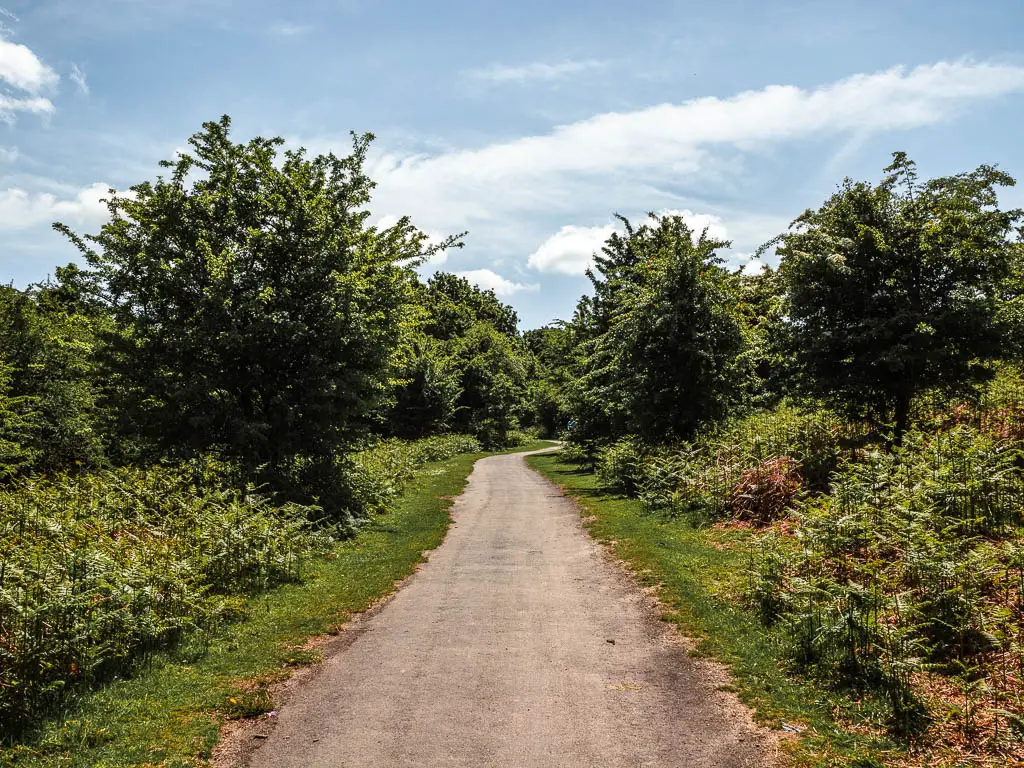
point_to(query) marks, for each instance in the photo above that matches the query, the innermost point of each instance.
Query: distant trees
(882, 293)
(895, 288)
(468, 368)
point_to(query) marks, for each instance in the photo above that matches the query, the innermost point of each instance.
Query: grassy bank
(169, 714)
(702, 575)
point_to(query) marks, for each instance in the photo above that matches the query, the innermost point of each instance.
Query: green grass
(701, 574)
(170, 713)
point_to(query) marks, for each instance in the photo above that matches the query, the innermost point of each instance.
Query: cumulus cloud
(20, 209)
(700, 222)
(570, 251)
(22, 69)
(24, 79)
(486, 279)
(535, 71)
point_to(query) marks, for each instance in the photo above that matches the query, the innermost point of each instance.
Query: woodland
(241, 371)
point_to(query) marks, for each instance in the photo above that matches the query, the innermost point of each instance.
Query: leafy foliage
(98, 570)
(258, 314)
(661, 335)
(894, 288)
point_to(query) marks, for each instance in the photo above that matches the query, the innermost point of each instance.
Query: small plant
(767, 491)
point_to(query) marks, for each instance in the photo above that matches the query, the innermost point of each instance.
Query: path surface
(519, 644)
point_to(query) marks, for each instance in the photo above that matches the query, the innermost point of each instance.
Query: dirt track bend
(499, 653)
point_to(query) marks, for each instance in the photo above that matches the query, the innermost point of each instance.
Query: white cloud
(20, 209)
(698, 222)
(569, 251)
(536, 71)
(25, 78)
(489, 280)
(22, 69)
(673, 140)
(78, 78)
(9, 154)
(285, 29)
(508, 192)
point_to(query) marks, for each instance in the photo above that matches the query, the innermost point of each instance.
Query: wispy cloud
(78, 78)
(535, 71)
(625, 160)
(286, 29)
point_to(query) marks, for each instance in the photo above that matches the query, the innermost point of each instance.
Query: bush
(98, 570)
(708, 477)
(912, 563)
(766, 491)
(620, 466)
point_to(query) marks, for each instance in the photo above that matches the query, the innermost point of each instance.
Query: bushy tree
(894, 288)
(49, 344)
(258, 313)
(664, 335)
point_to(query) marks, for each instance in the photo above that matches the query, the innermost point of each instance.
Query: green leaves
(895, 288)
(661, 337)
(257, 314)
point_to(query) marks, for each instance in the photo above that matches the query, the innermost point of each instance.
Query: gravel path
(518, 644)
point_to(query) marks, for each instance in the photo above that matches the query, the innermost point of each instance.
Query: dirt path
(519, 644)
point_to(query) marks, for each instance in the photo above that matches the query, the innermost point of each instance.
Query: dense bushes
(728, 469)
(894, 570)
(98, 570)
(911, 567)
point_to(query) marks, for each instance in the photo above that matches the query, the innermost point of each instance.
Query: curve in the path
(518, 644)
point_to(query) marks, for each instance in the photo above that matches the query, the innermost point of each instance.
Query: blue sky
(528, 124)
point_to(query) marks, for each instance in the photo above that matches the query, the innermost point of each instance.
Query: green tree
(49, 348)
(468, 366)
(894, 288)
(258, 313)
(664, 335)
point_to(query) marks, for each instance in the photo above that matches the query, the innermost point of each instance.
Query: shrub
(707, 477)
(98, 570)
(911, 563)
(767, 491)
(620, 466)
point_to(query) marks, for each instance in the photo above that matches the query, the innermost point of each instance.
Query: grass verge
(701, 575)
(170, 713)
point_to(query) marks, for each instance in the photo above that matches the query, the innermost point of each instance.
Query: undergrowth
(100, 571)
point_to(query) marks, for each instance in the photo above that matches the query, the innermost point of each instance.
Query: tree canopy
(894, 288)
